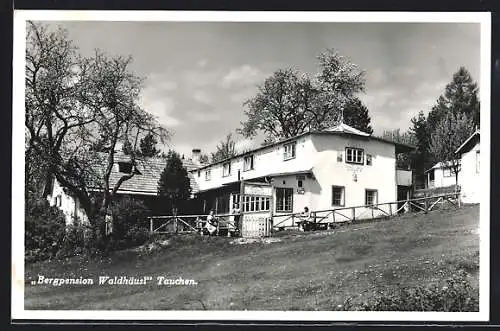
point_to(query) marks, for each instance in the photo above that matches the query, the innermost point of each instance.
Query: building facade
(469, 175)
(335, 168)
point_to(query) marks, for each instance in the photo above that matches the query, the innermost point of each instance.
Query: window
(337, 195)
(226, 169)
(208, 175)
(299, 183)
(354, 155)
(368, 159)
(199, 173)
(236, 201)
(256, 203)
(431, 175)
(284, 199)
(58, 201)
(477, 161)
(371, 197)
(447, 172)
(248, 163)
(289, 151)
(125, 167)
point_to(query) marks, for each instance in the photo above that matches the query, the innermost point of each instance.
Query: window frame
(342, 196)
(369, 160)
(450, 170)
(358, 151)
(366, 197)
(478, 159)
(293, 146)
(208, 174)
(248, 157)
(283, 203)
(224, 174)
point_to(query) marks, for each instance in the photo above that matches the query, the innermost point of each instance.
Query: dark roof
(468, 143)
(149, 172)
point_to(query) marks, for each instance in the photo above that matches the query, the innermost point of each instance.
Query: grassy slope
(311, 271)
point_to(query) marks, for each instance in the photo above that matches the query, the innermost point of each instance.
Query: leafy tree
(450, 133)
(460, 96)
(225, 149)
(356, 115)
(174, 184)
(148, 146)
(421, 133)
(74, 104)
(289, 103)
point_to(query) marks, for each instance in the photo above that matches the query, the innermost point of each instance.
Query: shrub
(128, 227)
(457, 295)
(45, 229)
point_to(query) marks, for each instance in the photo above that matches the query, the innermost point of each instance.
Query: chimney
(195, 156)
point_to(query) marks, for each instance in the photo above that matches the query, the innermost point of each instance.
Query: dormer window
(226, 169)
(125, 167)
(354, 155)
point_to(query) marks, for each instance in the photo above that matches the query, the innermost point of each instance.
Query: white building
(440, 175)
(335, 168)
(469, 153)
(143, 185)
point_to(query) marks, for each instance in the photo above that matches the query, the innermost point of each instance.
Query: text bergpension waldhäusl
(114, 280)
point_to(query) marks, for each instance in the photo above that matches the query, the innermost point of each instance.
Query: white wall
(266, 161)
(69, 205)
(469, 177)
(440, 180)
(328, 172)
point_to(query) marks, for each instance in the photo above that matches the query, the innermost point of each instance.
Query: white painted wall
(69, 205)
(440, 180)
(469, 177)
(266, 161)
(328, 172)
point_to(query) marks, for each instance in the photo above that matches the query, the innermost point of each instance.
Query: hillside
(293, 271)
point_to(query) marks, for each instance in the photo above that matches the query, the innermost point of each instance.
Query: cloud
(242, 76)
(202, 97)
(204, 117)
(201, 78)
(159, 106)
(202, 63)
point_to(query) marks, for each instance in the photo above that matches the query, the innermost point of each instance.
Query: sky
(198, 74)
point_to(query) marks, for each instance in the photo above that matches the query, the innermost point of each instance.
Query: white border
(17, 299)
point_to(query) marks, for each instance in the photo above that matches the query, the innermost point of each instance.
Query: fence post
(151, 225)
(353, 214)
(426, 203)
(390, 209)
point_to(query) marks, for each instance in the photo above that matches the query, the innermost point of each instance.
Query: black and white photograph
(251, 166)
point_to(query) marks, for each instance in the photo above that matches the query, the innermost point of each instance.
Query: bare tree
(449, 134)
(225, 149)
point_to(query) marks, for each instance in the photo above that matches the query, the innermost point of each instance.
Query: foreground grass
(321, 270)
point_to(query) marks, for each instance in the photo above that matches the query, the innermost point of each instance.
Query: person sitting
(211, 224)
(305, 220)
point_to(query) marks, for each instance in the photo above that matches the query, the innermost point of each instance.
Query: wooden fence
(323, 218)
(320, 218)
(190, 223)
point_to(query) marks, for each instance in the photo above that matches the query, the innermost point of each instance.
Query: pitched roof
(440, 165)
(145, 182)
(467, 143)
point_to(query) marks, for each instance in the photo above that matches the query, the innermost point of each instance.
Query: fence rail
(320, 218)
(353, 213)
(189, 223)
